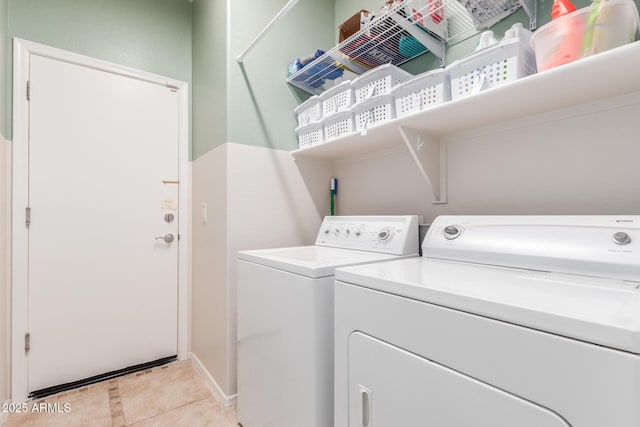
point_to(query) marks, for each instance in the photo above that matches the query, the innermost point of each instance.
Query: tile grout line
(115, 405)
(166, 412)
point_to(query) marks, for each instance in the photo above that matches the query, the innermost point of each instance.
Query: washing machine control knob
(337, 232)
(326, 232)
(452, 232)
(621, 238)
(384, 235)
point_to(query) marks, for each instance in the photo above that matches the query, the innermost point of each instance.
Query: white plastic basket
(373, 111)
(310, 135)
(309, 111)
(493, 66)
(338, 124)
(378, 81)
(338, 98)
(426, 90)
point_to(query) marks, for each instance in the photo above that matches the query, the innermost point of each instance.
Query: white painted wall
(256, 198)
(209, 309)
(582, 160)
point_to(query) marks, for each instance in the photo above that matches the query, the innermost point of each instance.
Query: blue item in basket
(316, 75)
(411, 47)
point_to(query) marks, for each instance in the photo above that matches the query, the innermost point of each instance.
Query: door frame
(22, 49)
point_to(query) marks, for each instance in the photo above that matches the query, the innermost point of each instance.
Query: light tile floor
(172, 395)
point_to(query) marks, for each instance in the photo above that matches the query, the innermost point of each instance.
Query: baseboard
(217, 392)
(4, 416)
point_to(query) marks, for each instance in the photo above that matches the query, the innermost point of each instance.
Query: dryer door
(391, 387)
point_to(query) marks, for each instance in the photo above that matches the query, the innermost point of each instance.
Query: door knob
(168, 238)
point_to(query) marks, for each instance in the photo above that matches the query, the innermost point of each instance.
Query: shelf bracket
(427, 40)
(530, 8)
(430, 155)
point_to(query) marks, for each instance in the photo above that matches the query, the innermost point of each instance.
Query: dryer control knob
(384, 235)
(621, 238)
(452, 232)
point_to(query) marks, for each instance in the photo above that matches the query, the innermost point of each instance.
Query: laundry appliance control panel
(600, 246)
(396, 235)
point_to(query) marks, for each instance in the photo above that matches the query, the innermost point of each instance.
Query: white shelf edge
(606, 75)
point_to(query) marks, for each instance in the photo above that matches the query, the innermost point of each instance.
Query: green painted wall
(150, 35)
(4, 4)
(258, 104)
(210, 77)
(261, 103)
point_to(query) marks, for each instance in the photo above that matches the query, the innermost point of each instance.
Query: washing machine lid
(313, 261)
(595, 310)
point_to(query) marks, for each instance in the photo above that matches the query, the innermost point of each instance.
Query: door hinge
(28, 90)
(27, 216)
(27, 342)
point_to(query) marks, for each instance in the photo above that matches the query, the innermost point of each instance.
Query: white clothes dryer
(527, 321)
(285, 317)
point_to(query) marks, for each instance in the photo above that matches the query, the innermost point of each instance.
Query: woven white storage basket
(423, 91)
(378, 81)
(338, 98)
(492, 67)
(310, 135)
(309, 111)
(338, 124)
(374, 111)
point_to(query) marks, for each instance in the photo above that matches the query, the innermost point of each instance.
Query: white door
(103, 172)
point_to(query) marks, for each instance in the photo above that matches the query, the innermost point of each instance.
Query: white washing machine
(522, 321)
(285, 317)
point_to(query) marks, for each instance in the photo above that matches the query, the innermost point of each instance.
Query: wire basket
(338, 124)
(378, 81)
(373, 111)
(493, 66)
(309, 111)
(426, 90)
(486, 13)
(338, 98)
(310, 135)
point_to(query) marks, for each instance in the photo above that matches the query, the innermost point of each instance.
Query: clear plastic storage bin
(585, 32)
(373, 111)
(378, 81)
(338, 124)
(494, 66)
(309, 111)
(310, 135)
(338, 98)
(423, 91)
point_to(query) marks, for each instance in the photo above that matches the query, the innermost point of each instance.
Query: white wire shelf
(405, 31)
